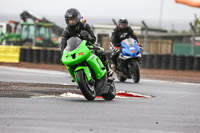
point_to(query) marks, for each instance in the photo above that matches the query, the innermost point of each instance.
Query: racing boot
(109, 70)
(104, 60)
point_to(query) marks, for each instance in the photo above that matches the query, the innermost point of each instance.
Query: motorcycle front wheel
(87, 89)
(135, 71)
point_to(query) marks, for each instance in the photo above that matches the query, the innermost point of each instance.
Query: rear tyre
(135, 71)
(111, 92)
(87, 89)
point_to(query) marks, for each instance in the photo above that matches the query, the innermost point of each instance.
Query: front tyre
(111, 92)
(135, 71)
(87, 89)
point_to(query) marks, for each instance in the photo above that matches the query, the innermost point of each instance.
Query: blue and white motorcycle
(128, 60)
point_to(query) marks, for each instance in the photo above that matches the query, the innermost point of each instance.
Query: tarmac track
(174, 107)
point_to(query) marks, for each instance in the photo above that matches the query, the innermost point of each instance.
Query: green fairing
(70, 70)
(67, 56)
(95, 63)
(91, 59)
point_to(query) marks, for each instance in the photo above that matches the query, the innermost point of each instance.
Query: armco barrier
(9, 54)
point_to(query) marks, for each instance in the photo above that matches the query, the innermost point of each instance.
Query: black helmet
(122, 23)
(73, 14)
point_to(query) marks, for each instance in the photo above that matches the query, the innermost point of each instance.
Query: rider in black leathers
(83, 31)
(121, 32)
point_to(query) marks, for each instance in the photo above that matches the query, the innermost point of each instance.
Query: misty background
(165, 14)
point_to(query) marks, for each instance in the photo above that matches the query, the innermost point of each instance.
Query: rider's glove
(84, 35)
(140, 46)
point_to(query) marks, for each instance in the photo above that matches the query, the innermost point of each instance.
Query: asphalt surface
(30, 102)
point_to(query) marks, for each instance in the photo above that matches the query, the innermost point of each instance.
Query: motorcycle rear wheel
(111, 92)
(88, 90)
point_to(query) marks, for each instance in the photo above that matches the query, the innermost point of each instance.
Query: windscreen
(129, 42)
(73, 43)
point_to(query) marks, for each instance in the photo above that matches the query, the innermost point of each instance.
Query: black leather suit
(119, 35)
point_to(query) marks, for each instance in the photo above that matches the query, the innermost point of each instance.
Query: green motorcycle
(87, 70)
